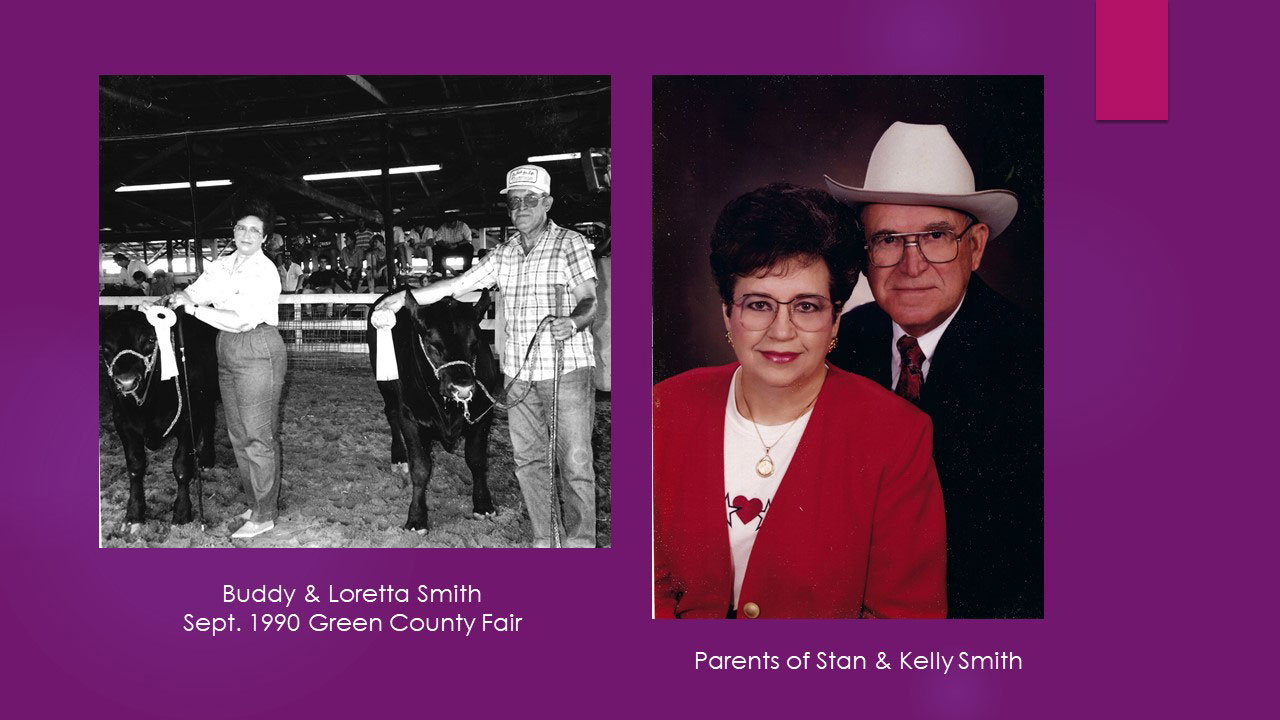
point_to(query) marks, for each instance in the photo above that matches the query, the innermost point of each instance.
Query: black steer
(147, 410)
(441, 357)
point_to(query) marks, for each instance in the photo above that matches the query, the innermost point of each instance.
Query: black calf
(147, 410)
(441, 359)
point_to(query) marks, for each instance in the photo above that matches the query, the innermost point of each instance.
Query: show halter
(147, 363)
(162, 319)
(388, 366)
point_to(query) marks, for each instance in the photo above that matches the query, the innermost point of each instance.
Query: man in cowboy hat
(941, 338)
(544, 270)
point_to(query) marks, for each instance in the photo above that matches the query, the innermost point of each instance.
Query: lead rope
(551, 446)
(553, 425)
(191, 423)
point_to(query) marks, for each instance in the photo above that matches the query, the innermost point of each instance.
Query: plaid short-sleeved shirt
(559, 261)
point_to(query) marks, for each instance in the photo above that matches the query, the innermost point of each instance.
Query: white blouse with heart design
(747, 496)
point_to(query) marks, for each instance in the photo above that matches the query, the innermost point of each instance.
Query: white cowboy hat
(922, 165)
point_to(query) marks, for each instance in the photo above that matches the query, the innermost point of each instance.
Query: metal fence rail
(320, 330)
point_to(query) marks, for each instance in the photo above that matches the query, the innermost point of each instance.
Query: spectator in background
(327, 280)
(363, 239)
(425, 246)
(129, 269)
(348, 250)
(294, 240)
(274, 247)
(161, 284)
(406, 240)
(324, 251)
(453, 242)
(290, 274)
(377, 258)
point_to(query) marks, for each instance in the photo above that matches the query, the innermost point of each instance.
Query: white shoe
(252, 529)
(246, 514)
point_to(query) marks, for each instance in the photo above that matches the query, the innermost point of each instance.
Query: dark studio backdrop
(716, 137)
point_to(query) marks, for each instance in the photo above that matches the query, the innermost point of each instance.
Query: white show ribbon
(162, 319)
(387, 368)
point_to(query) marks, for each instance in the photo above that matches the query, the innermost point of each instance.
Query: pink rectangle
(1132, 74)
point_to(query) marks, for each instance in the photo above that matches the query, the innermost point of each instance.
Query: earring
(728, 335)
(832, 346)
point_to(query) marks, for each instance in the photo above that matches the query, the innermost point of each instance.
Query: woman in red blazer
(784, 487)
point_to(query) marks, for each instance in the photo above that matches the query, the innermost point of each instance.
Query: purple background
(1159, 336)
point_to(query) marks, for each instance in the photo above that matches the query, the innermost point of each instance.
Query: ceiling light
(561, 156)
(370, 173)
(341, 175)
(172, 186)
(414, 169)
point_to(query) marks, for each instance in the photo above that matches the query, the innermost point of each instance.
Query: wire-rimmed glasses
(939, 246)
(253, 232)
(810, 313)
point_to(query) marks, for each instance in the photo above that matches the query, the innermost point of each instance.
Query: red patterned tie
(911, 376)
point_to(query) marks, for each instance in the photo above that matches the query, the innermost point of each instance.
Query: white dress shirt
(248, 286)
(928, 343)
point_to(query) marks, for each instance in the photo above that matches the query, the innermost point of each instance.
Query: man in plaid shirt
(541, 272)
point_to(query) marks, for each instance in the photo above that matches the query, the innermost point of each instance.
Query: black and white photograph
(354, 311)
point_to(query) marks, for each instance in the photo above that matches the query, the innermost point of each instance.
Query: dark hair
(780, 222)
(260, 209)
(122, 258)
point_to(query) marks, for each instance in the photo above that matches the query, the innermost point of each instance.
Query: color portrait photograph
(848, 408)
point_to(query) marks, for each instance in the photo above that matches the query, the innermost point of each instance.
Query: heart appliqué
(747, 510)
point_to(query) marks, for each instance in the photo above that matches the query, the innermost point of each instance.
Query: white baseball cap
(528, 177)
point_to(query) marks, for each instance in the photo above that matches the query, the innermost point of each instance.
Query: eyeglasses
(937, 246)
(252, 232)
(810, 313)
(529, 201)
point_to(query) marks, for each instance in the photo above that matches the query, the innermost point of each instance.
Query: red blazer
(856, 528)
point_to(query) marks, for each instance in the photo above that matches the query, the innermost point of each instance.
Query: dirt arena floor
(340, 489)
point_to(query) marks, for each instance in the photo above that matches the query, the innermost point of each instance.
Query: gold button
(751, 610)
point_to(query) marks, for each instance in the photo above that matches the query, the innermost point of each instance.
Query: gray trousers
(577, 476)
(251, 367)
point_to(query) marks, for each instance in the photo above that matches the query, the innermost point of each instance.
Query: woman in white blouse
(238, 295)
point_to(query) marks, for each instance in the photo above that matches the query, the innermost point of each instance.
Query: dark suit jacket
(985, 394)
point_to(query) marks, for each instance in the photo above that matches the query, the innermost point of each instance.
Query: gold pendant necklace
(765, 465)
